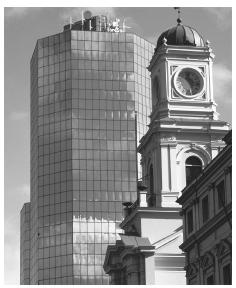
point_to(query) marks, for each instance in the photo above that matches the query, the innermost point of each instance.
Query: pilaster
(165, 169)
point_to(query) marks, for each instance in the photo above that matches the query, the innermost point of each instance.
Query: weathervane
(179, 19)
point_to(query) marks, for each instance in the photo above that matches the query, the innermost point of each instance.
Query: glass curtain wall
(25, 244)
(85, 88)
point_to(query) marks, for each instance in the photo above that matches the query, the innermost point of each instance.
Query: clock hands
(188, 82)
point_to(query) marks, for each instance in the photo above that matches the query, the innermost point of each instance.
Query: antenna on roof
(70, 22)
(124, 26)
(179, 10)
(82, 20)
(90, 25)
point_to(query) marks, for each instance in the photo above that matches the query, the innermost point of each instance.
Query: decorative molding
(202, 68)
(197, 150)
(175, 95)
(207, 260)
(191, 269)
(223, 248)
(211, 186)
(165, 138)
(172, 69)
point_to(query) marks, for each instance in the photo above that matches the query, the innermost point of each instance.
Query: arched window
(193, 167)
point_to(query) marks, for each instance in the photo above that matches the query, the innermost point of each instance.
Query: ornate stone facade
(208, 246)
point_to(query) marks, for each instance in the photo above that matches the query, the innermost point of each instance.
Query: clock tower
(181, 74)
(185, 132)
(184, 136)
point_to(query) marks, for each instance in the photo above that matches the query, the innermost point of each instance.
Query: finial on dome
(208, 43)
(179, 20)
(180, 35)
(164, 41)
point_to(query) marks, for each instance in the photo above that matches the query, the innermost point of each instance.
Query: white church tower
(184, 136)
(185, 133)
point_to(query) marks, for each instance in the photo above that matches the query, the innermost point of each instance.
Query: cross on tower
(179, 19)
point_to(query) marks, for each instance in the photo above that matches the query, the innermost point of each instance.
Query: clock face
(188, 82)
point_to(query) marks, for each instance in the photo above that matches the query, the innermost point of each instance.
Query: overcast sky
(23, 26)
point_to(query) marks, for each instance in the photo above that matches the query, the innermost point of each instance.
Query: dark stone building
(207, 212)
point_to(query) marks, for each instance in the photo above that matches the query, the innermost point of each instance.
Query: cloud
(16, 116)
(152, 39)
(222, 78)
(76, 12)
(19, 12)
(12, 256)
(24, 190)
(223, 16)
(15, 11)
(12, 250)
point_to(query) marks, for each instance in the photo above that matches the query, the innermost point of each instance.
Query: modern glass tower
(25, 244)
(86, 84)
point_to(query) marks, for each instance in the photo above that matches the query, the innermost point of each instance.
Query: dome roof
(181, 35)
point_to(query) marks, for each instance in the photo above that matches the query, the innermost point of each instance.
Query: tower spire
(179, 20)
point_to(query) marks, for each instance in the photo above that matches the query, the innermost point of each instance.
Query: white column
(150, 270)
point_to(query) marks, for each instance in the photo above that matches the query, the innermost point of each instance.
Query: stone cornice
(175, 125)
(174, 52)
(141, 211)
(124, 251)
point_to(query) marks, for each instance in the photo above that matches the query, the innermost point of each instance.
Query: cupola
(181, 35)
